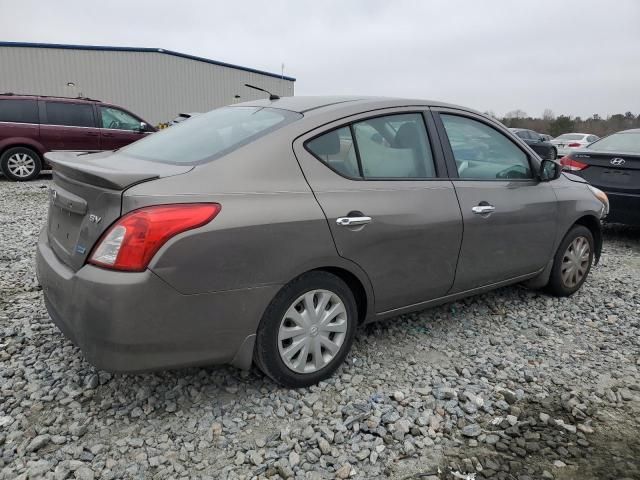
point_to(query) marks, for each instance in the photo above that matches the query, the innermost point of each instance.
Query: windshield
(618, 142)
(570, 136)
(210, 135)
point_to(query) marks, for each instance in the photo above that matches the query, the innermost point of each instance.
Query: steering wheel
(114, 124)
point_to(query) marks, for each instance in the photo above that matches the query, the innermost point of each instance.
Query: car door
(66, 125)
(377, 178)
(118, 127)
(509, 215)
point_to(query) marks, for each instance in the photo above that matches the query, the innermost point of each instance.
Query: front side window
(117, 119)
(210, 135)
(70, 114)
(19, 111)
(482, 152)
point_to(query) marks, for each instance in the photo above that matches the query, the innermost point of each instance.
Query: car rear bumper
(623, 208)
(131, 322)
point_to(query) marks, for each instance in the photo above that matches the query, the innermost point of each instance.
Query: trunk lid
(611, 172)
(86, 197)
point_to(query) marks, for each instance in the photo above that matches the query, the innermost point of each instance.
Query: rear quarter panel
(25, 134)
(270, 228)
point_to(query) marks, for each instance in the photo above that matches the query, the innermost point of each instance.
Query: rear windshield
(618, 142)
(210, 135)
(570, 136)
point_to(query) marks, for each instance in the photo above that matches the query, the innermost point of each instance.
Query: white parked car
(568, 142)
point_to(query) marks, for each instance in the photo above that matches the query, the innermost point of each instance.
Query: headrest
(407, 136)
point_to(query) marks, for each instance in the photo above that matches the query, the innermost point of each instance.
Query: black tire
(557, 285)
(34, 169)
(266, 354)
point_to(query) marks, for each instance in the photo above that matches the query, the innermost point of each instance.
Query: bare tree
(548, 115)
(515, 114)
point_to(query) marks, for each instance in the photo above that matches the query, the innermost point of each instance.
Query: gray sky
(574, 56)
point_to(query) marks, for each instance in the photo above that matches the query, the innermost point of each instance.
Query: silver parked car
(268, 231)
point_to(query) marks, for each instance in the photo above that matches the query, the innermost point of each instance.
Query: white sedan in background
(568, 142)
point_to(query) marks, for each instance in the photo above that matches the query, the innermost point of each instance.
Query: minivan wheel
(572, 262)
(307, 330)
(20, 164)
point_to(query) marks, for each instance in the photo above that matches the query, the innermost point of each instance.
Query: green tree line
(554, 126)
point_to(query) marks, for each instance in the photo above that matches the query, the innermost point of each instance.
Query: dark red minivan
(31, 125)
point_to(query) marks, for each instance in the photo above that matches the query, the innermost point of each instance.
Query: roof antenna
(272, 96)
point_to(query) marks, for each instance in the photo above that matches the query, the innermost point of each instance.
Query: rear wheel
(20, 164)
(572, 262)
(307, 330)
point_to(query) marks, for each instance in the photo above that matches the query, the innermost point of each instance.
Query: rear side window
(19, 111)
(70, 114)
(389, 147)
(483, 153)
(337, 150)
(211, 135)
(395, 146)
(522, 134)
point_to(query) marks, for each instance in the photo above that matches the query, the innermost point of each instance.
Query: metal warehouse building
(154, 83)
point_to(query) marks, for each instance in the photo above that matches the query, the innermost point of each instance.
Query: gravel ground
(510, 385)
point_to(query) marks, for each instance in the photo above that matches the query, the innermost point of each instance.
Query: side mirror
(549, 170)
(143, 127)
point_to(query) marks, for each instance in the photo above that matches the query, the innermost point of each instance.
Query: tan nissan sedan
(268, 231)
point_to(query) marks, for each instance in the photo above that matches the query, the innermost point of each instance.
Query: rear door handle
(480, 209)
(352, 221)
(92, 134)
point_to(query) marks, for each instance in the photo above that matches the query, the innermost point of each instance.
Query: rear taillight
(569, 163)
(134, 239)
(574, 144)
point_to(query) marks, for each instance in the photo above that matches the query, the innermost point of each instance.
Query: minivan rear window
(211, 135)
(19, 111)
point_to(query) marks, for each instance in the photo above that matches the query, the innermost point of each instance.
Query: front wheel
(572, 262)
(307, 330)
(20, 164)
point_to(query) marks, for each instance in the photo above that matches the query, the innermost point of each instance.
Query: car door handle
(92, 134)
(480, 209)
(352, 221)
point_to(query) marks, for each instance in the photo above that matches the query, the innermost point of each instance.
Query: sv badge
(95, 219)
